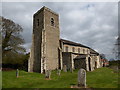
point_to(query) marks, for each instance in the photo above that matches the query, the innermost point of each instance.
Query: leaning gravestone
(48, 74)
(81, 78)
(58, 72)
(17, 73)
(64, 68)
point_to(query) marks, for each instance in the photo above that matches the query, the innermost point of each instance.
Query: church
(49, 52)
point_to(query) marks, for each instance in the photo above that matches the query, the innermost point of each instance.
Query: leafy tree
(12, 41)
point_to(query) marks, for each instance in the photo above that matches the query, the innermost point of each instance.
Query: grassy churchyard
(100, 78)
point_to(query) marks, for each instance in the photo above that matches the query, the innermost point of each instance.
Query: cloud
(92, 24)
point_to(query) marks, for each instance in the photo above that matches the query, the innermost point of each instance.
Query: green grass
(100, 78)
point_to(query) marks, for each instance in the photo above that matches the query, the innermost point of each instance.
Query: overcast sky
(92, 24)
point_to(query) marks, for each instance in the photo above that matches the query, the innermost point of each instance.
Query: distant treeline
(16, 63)
(114, 62)
(9, 66)
(115, 65)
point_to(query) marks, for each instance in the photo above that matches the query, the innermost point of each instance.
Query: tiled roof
(80, 57)
(78, 44)
(93, 51)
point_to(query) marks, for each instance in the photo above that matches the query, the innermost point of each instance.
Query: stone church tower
(45, 41)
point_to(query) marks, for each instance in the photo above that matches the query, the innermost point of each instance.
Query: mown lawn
(100, 78)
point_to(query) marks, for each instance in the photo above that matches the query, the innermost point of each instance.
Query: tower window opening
(52, 22)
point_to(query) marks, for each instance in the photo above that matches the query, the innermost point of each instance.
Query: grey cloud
(92, 24)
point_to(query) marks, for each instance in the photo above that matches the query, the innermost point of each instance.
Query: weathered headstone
(64, 68)
(17, 73)
(59, 72)
(48, 74)
(71, 70)
(81, 78)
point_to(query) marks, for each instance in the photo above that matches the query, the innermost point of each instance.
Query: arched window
(52, 22)
(66, 49)
(78, 50)
(73, 49)
(83, 51)
(88, 51)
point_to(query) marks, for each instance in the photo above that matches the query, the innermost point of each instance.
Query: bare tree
(11, 38)
(12, 49)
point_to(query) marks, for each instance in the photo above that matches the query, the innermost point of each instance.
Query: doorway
(89, 64)
(95, 64)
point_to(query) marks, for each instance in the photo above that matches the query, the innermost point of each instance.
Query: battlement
(45, 8)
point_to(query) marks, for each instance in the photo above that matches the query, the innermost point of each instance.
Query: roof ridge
(76, 44)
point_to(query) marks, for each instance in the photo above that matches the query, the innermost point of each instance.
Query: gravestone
(59, 72)
(64, 68)
(71, 70)
(48, 74)
(82, 78)
(17, 73)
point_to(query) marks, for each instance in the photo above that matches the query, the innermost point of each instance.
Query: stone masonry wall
(52, 39)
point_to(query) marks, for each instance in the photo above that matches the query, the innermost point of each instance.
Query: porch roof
(81, 57)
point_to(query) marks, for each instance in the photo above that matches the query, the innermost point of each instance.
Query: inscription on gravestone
(81, 78)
